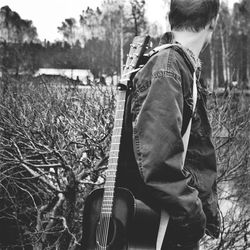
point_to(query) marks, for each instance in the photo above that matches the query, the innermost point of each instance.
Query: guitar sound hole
(106, 230)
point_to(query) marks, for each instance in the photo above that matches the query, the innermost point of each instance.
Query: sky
(47, 15)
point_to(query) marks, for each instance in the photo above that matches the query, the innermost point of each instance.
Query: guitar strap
(164, 218)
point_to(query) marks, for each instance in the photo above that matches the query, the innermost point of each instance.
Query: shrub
(54, 140)
(54, 144)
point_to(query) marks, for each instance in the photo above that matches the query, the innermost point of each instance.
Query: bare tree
(229, 116)
(53, 147)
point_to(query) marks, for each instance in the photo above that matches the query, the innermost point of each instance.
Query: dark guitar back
(133, 225)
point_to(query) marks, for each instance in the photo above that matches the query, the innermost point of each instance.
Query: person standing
(158, 109)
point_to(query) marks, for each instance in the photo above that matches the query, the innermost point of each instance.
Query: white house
(75, 74)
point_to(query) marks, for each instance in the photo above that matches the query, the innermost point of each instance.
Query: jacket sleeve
(157, 122)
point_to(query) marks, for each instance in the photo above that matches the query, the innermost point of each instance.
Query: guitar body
(132, 225)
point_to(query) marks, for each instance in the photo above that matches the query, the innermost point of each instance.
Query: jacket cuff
(187, 232)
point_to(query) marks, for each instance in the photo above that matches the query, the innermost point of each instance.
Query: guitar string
(102, 226)
(108, 217)
(100, 234)
(104, 223)
(104, 235)
(100, 230)
(105, 231)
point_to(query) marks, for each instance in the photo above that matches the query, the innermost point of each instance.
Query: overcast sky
(47, 15)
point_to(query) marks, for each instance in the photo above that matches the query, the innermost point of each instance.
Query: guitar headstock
(137, 48)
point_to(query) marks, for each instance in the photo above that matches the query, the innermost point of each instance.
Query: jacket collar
(168, 37)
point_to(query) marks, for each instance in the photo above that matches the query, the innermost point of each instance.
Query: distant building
(83, 75)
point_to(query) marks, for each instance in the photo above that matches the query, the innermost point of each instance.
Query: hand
(186, 232)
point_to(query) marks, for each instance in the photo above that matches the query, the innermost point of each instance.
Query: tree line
(230, 51)
(93, 42)
(100, 39)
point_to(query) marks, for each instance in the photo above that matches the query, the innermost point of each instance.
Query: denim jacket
(157, 113)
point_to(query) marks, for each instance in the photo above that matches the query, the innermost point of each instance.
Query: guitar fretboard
(109, 186)
(137, 48)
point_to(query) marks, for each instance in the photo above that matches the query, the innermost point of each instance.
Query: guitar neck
(114, 152)
(138, 47)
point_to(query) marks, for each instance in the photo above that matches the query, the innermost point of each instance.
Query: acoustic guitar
(113, 219)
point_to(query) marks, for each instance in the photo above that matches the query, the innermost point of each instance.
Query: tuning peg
(150, 45)
(134, 46)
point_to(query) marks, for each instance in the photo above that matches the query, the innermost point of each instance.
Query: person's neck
(193, 41)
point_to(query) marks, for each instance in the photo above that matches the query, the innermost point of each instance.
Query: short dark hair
(192, 14)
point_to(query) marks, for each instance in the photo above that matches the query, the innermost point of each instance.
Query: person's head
(193, 15)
